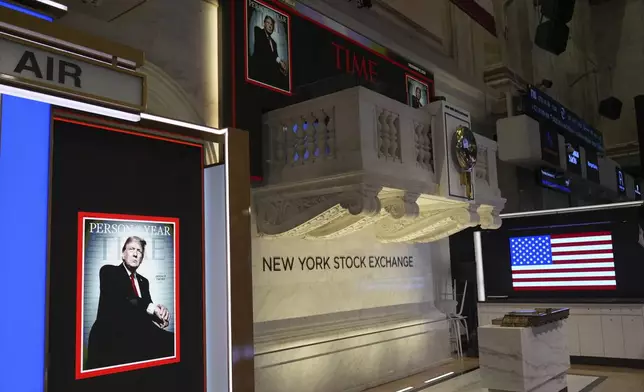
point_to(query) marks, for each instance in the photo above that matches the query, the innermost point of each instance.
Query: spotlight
(545, 83)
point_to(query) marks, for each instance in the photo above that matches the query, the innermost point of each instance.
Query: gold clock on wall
(465, 152)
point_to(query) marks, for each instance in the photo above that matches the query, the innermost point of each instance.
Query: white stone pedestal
(523, 359)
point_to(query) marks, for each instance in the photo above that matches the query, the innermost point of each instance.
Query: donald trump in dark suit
(129, 326)
(416, 102)
(265, 64)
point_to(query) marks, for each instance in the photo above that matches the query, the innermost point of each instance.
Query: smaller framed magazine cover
(418, 92)
(128, 313)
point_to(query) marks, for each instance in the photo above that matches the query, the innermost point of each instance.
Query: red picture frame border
(290, 50)
(167, 136)
(407, 77)
(79, 297)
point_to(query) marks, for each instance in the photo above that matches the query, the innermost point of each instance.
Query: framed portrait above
(283, 52)
(417, 92)
(268, 47)
(127, 289)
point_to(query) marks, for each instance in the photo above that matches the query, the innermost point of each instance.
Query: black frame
(171, 187)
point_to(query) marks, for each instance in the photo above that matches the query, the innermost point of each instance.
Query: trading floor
(463, 376)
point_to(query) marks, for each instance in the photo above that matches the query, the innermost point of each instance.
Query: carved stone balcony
(355, 158)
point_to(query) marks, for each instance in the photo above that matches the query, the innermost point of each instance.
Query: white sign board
(43, 68)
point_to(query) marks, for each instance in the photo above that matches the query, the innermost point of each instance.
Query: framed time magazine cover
(125, 285)
(417, 92)
(127, 293)
(268, 47)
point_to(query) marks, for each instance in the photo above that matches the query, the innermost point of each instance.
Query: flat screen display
(570, 261)
(133, 258)
(573, 158)
(125, 261)
(544, 108)
(591, 254)
(621, 181)
(554, 180)
(592, 166)
(549, 144)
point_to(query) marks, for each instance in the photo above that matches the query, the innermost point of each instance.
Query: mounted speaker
(558, 10)
(610, 108)
(552, 37)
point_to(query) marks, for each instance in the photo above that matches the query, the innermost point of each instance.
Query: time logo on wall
(268, 47)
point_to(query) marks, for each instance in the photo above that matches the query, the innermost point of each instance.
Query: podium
(524, 359)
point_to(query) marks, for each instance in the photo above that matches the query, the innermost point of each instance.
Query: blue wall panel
(24, 182)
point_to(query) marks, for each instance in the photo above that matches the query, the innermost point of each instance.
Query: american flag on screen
(575, 261)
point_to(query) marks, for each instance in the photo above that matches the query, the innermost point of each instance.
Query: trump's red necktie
(134, 285)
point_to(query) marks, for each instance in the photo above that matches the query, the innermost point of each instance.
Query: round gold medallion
(465, 152)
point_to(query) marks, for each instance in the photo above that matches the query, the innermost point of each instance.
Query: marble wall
(331, 327)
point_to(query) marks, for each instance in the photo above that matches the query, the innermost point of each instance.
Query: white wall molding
(166, 97)
(353, 159)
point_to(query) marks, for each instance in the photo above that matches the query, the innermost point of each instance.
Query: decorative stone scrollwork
(399, 219)
(319, 217)
(491, 220)
(364, 201)
(430, 225)
(282, 217)
(393, 231)
(403, 206)
(311, 193)
(467, 217)
(277, 211)
(424, 148)
(388, 125)
(482, 169)
(359, 223)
